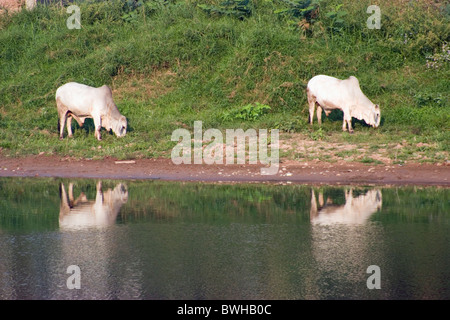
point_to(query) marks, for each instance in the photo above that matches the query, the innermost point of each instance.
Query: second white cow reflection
(356, 210)
(81, 212)
(344, 242)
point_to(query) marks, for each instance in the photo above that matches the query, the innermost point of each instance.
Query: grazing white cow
(331, 93)
(79, 101)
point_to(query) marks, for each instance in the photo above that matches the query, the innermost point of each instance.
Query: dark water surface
(174, 240)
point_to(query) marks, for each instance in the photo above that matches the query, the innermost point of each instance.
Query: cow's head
(120, 127)
(376, 116)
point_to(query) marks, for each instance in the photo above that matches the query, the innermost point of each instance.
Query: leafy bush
(317, 134)
(428, 99)
(439, 59)
(300, 13)
(236, 8)
(415, 31)
(337, 18)
(249, 112)
(132, 8)
(301, 9)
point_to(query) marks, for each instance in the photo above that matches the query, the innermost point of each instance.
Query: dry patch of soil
(299, 147)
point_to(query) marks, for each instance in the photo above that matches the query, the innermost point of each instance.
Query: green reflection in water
(34, 204)
(175, 240)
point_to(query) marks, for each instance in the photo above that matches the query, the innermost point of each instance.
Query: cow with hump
(330, 93)
(79, 101)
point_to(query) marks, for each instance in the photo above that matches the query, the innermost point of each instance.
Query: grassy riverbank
(171, 63)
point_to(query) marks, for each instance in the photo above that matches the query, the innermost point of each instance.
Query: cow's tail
(58, 106)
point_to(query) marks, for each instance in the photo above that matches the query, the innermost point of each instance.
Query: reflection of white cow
(344, 243)
(81, 212)
(357, 210)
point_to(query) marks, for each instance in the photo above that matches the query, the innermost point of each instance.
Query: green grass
(171, 63)
(369, 160)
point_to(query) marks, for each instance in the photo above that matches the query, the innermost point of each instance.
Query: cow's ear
(377, 106)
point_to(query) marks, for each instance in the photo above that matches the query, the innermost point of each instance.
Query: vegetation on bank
(231, 64)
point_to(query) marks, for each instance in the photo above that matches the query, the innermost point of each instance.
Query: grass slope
(171, 63)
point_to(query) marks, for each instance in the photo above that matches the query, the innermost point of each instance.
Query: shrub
(249, 112)
(237, 8)
(439, 59)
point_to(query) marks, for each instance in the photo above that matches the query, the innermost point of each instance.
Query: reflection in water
(167, 240)
(93, 245)
(81, 212)
(356, 210)
(342, 241)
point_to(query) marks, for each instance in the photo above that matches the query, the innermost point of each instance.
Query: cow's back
(84, 100)
(323, 84)
(76, 97)
(72, 89)
(329, 92)
(317, 83)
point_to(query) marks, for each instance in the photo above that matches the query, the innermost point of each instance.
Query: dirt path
(313, 172)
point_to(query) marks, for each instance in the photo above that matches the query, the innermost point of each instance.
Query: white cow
(331, 93)
(79, 101)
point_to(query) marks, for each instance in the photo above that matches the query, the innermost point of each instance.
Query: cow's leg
(311, 114)
(347, 122)
(62, 123)
(319, 114)
(62, 114)
(69, 123)
(312, 105)
(98, 127)
(69, 126)
(79, 120)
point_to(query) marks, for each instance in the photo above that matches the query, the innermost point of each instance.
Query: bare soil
(11, 5)
(311, 172)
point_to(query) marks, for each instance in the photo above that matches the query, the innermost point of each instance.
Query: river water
(89, 239)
